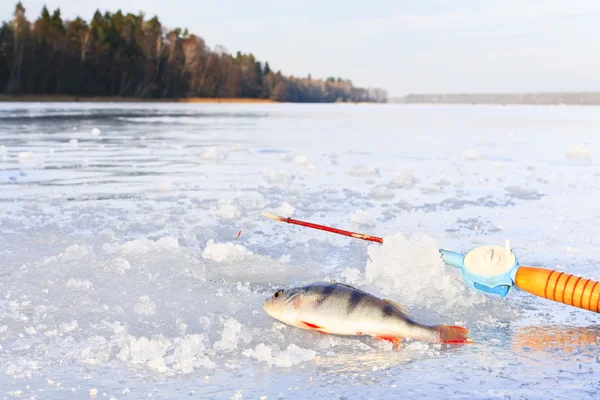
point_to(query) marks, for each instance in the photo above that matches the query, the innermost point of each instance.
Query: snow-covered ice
(214, 154)
(220, 252)
(362, 170)
(137, 268)
(381, 192)
(471, 154)
(403, 179)
(579, 152)
(285, 210)
(228, 211)
(364, 218)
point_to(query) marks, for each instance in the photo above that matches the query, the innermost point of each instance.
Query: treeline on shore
(128, 55)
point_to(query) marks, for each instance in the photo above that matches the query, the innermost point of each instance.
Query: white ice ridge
(363, 218)
(292, 355)
(228, 211)
(284, 210)
(411, 270)
(471, 154)
(220, 252)
(214, 154)
(579, 152)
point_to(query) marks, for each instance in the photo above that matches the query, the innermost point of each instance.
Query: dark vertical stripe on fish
(388, 311)
(353, 302)
(327, 291)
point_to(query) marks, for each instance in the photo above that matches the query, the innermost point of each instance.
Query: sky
(421, 46)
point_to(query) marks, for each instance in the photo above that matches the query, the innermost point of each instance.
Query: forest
(128, 55)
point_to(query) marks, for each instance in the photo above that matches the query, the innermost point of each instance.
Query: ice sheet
(134, 259)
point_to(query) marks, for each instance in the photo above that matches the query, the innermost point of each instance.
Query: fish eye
(277, 293)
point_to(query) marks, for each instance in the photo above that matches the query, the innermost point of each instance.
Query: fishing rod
(495, 269)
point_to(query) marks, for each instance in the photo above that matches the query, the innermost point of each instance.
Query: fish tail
(453, 334)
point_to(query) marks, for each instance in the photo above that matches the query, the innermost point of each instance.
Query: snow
(363, 170)
(144, 306)
(145, 246)
(579, 152)
(363, 218)
(305, 162)
(73, 283)
(229, 336)
(220, 252)
(29, 159)
(381, 192)
(74, 252)
(214, 154)
(471, 154)
(161, 186)
(277, 176)
(301, 159)
(403, 179)
(285, 210)
(281, 358)
(125, 274)
(228, 211)
(418, 276)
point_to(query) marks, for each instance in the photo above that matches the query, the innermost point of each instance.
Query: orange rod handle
(559, 286)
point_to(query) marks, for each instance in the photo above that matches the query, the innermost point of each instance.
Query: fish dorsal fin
(348, 286)
(343, 284)
(402, 309)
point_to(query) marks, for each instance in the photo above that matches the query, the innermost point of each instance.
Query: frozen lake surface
(122, 276)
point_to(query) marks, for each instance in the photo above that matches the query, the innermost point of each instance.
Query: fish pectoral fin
(313, 327)
(396, 340)
(402, 309)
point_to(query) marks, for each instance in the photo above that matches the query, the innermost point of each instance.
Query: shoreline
(558, 99)
(504, 99)
(59, 98)
(441, 100)
(117, 99)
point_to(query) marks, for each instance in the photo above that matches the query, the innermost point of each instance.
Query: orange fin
(311, 326)
(394, 339)
(453, 334)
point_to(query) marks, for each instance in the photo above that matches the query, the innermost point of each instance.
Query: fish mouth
(267, 307)
(270, 309)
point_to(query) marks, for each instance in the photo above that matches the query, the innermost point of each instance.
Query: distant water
(122, 276)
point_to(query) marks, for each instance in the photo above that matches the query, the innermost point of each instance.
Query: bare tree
(128, 55)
